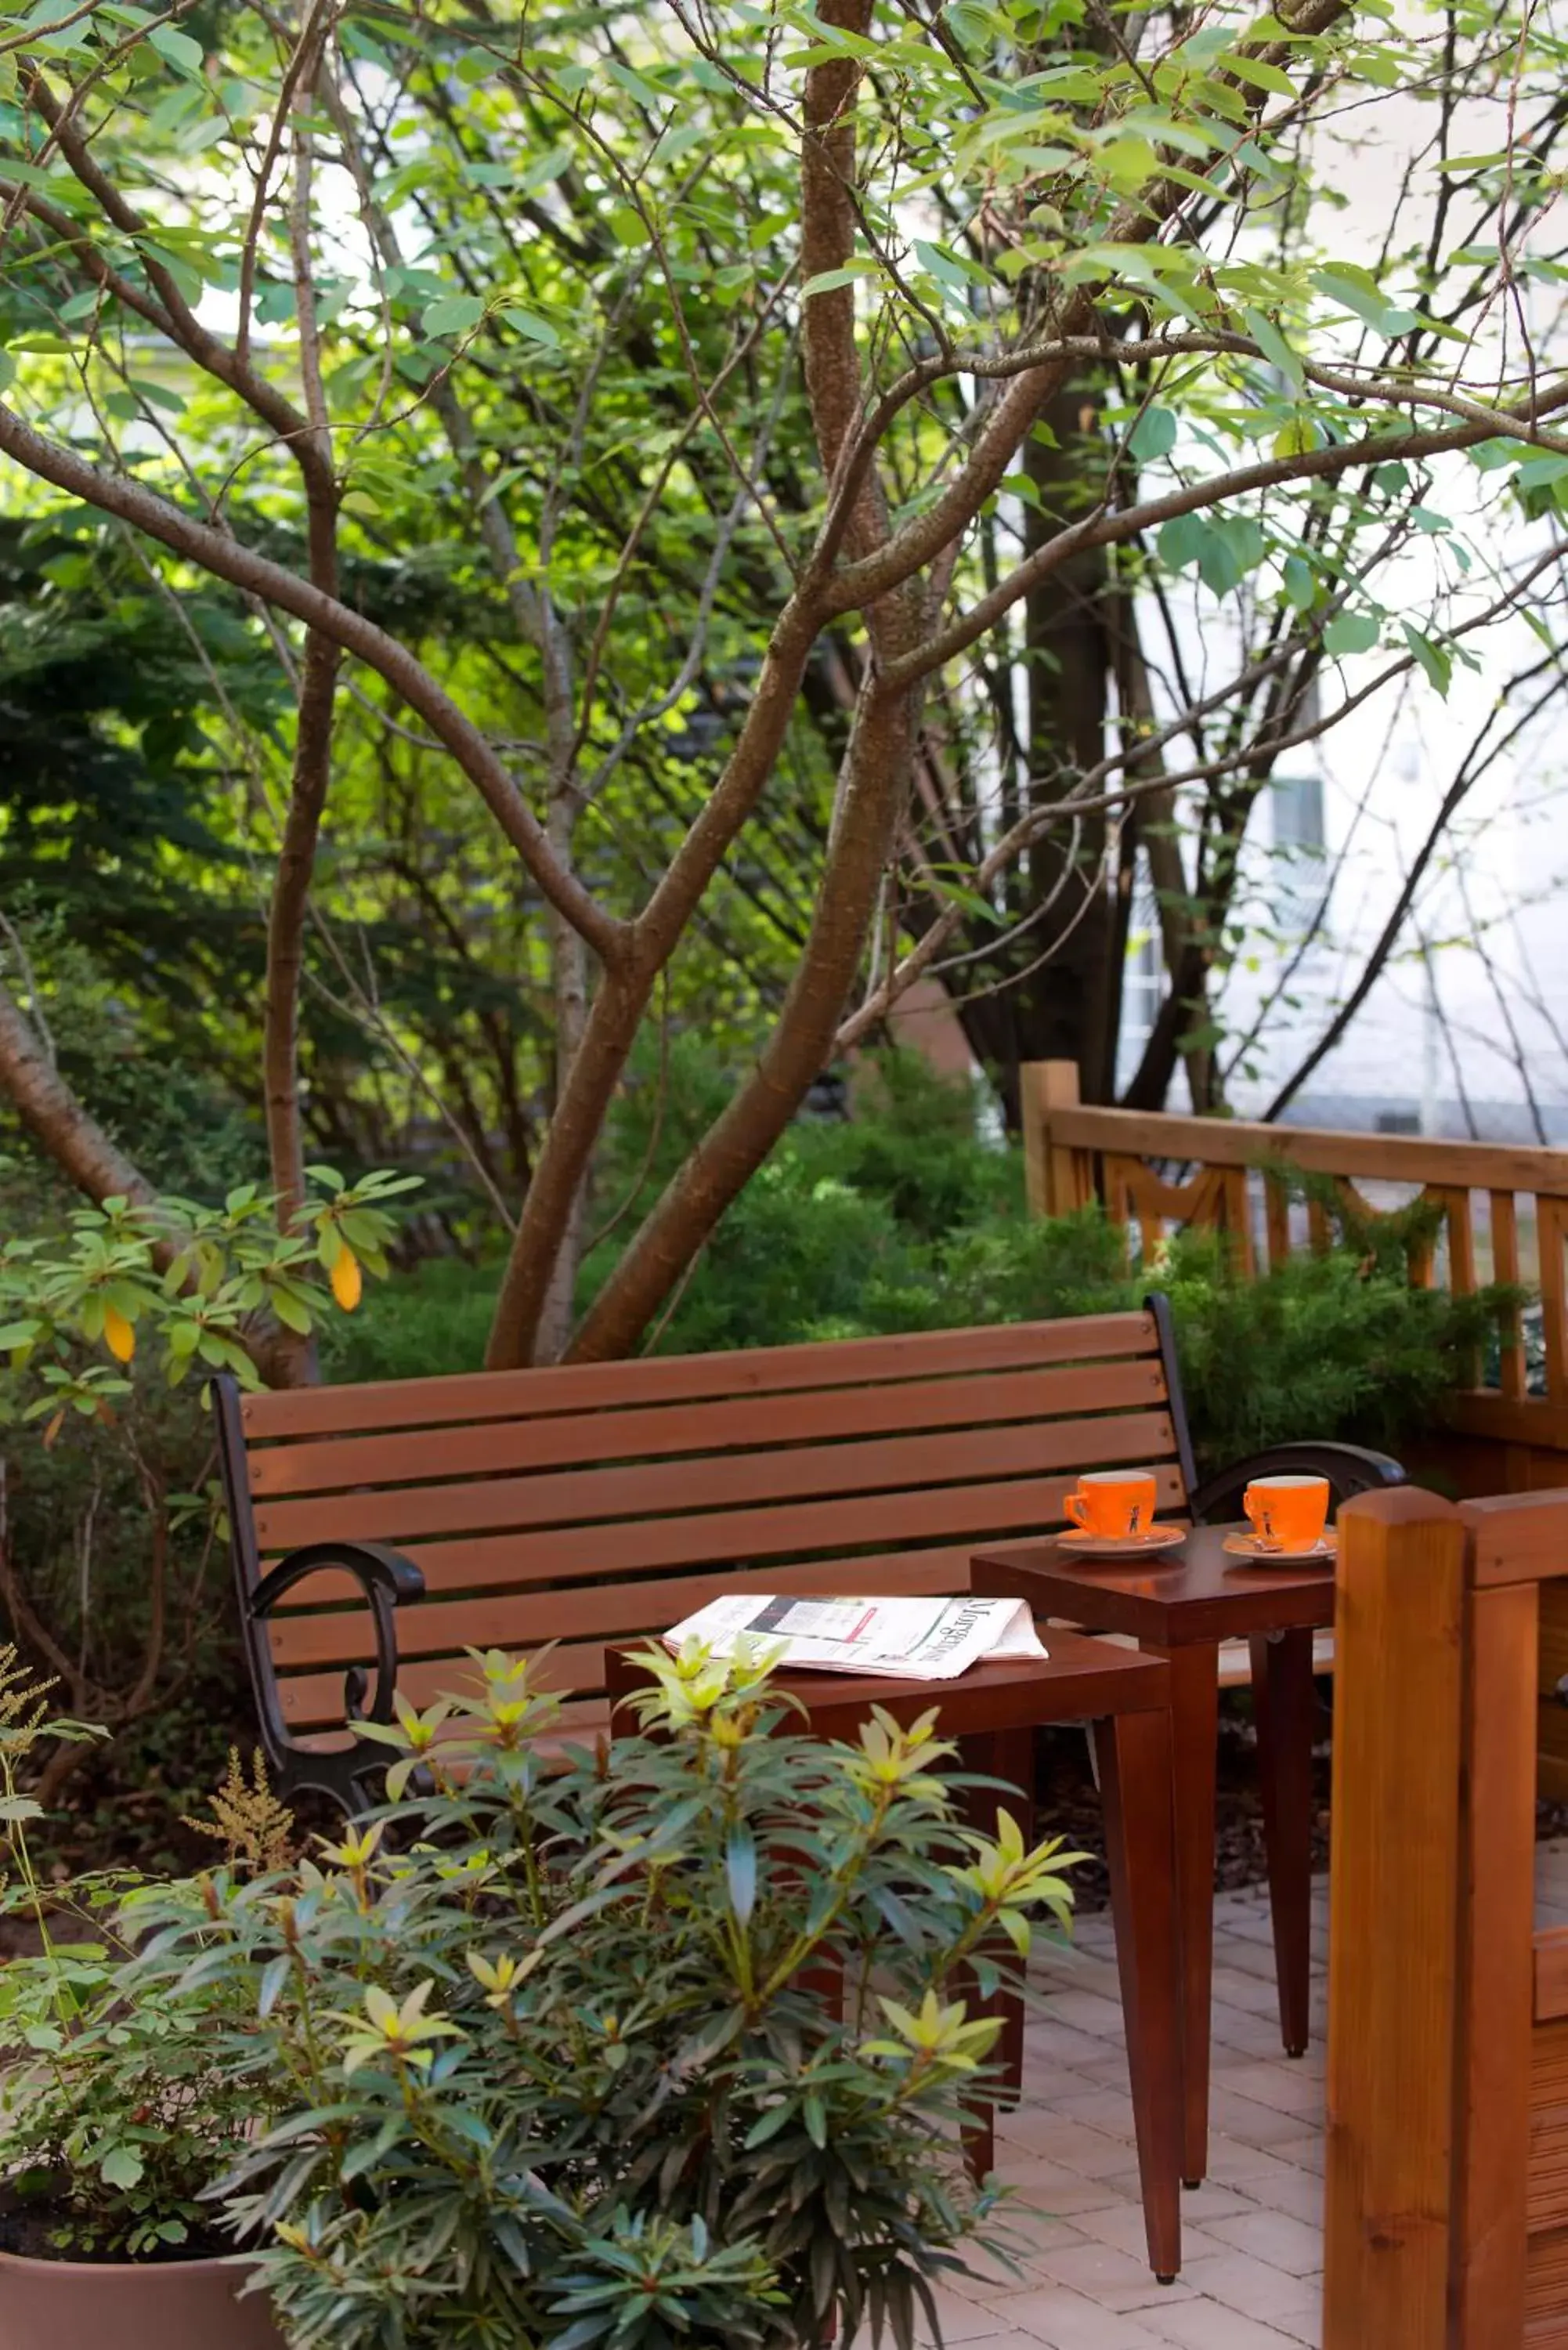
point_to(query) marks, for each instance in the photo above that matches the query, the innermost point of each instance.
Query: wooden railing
(1502, 1216)
(1446, 2164)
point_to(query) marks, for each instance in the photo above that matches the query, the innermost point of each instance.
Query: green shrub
(1329, 1345)
(111, 1535)
(433, 1318)
(117, 2113)
(552, 2046)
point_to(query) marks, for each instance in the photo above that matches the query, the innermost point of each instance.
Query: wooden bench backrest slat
(1020, 1509)
(656, 1431)
(404, 1514)
(516, 1619)
(600, 1503)
(469, 1398)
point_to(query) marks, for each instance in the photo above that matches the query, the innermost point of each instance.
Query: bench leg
(1283, 1701)
(1134, 1752)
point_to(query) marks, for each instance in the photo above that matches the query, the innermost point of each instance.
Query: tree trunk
(875, 792)
(569, 960)
(65, 1132)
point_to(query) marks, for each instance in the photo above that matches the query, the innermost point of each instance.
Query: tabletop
(1079, 1680)
(1194, 1592)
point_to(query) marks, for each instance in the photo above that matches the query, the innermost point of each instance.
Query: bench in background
(590, 1503)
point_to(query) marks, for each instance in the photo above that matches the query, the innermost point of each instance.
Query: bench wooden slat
(516, 1619)
(403, 1514)
(651, 1431)
(576, 1668)
(469, 1397)
(579, 1718)
(880, 1521)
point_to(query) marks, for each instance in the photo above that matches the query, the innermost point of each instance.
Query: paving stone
(1252, 2232)
(1253, 2287)
(1064, 2320)
(1205, 2326)
(1284, 2242)
(1117, 2280)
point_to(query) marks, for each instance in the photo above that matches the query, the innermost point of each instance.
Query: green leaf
(1181, 541)
(1352, 632)
(529, 323)
(1434, 658)
(1154, 435)
(453, 313)
(1274, 348)
(1300, 585)
(948, 267)
(121, 2166)
(1232, 546)
(1538, 471)
(975, 26)
(291, 1312)
(177, 48)
(826, 280)
(1355, 290)
(1261, 74)
(740, 1873)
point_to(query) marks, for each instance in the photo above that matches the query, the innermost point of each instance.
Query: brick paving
(1251, 2235)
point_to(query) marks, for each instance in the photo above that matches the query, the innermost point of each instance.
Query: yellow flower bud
(348, 1281)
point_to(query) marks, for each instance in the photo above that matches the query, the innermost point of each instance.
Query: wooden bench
(590, 1503)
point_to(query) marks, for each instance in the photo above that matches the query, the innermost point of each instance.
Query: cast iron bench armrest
(1349, 1468)
(389, 1581)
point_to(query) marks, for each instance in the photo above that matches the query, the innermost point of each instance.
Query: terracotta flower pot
(167, 2305)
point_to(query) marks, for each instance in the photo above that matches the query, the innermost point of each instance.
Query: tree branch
(227, 558)
(64, 1130)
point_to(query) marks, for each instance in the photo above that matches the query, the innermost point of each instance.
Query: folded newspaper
(903, 1639)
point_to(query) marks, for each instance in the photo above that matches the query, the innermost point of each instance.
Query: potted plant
(666, 2042)
(118, 2110)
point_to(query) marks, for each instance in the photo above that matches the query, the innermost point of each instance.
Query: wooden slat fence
(1504, 1216)
(1446, 2172)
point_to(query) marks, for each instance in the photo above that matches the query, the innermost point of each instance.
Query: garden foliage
(666, 2046)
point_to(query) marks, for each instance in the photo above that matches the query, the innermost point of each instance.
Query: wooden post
(1496, 1918)
(1394, 1917)
(1058, 1179)
(1552, 1218)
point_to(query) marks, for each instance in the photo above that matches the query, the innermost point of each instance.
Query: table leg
(1195, 1730)
(1009, 1755)
(1283, 1702)
(1134, 1752)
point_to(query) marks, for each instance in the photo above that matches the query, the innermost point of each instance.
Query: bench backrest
(591, 1504)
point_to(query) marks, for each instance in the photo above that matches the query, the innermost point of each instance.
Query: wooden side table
(994, 1709)
(1181, 1604)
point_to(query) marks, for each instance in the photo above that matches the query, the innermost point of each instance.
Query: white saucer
(1154, 1538)
(1257, 1552)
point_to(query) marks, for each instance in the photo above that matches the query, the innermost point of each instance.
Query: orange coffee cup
(1289, 1510)
(1113, 1503)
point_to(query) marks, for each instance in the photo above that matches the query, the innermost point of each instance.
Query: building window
(1398, 1121)
(1298, 812)
(1296, 881)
